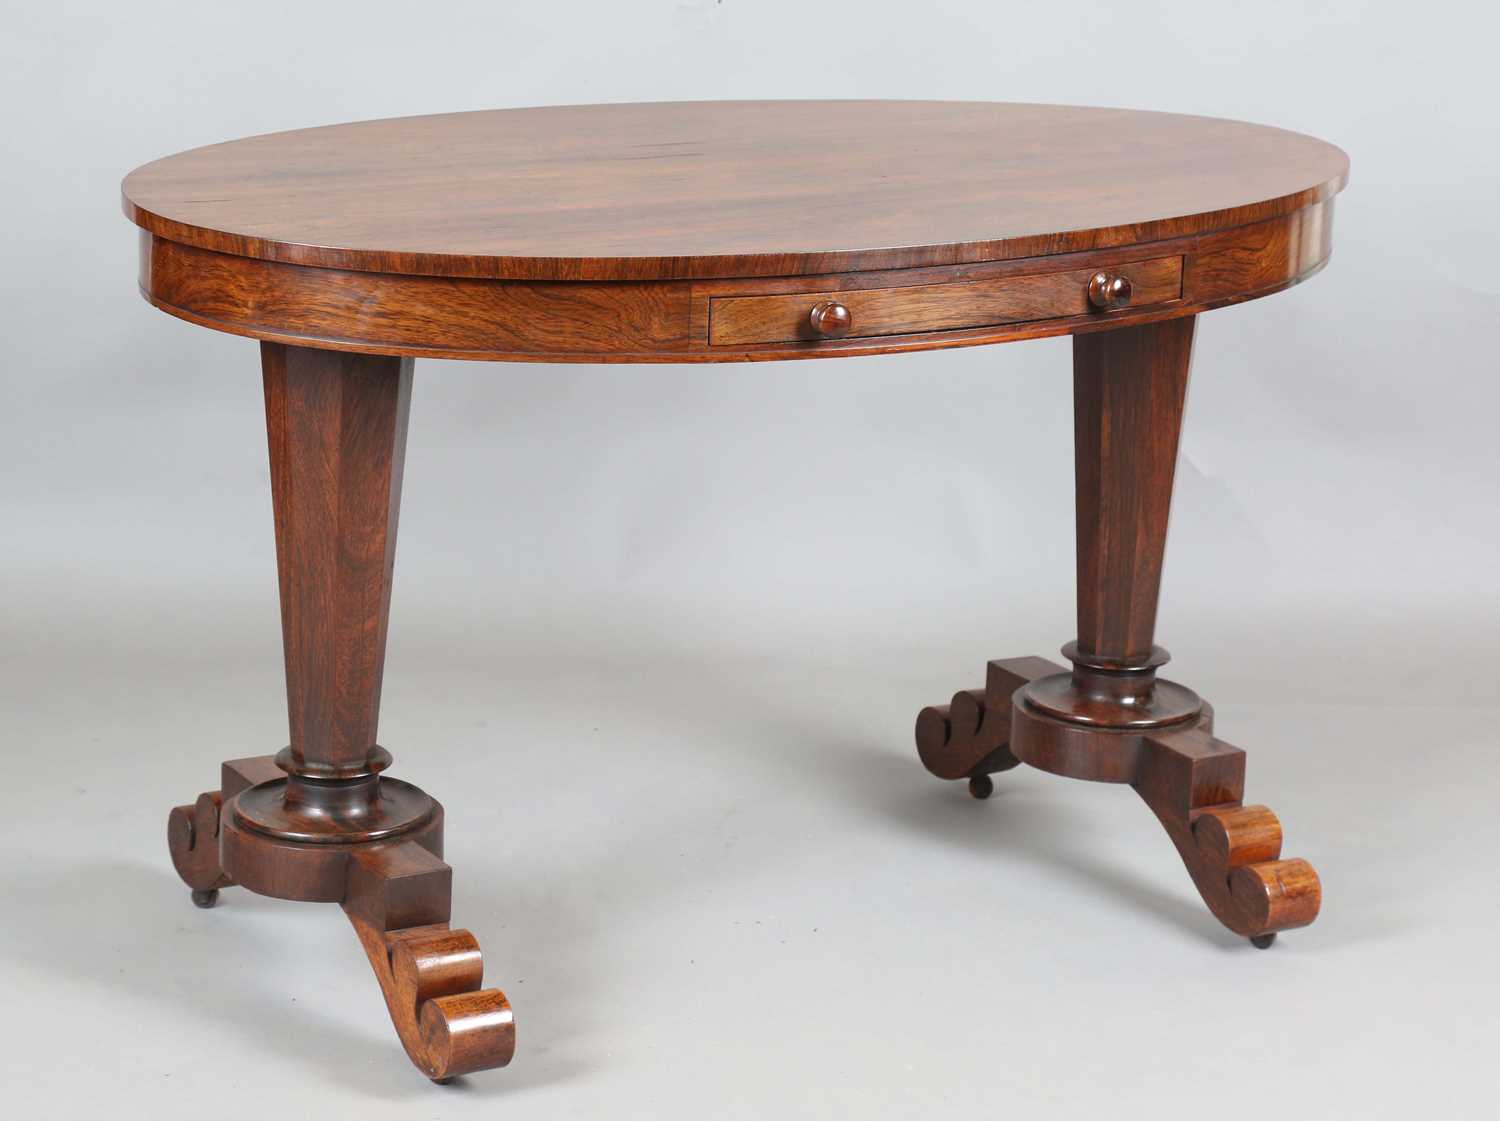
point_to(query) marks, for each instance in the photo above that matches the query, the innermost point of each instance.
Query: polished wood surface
(670, 321)
(1110, 718)
(397, 895)
(942, 306)
(715, 232)
(1192, 781)
(1129, 388)
(486, 235)
(336, 425)
(711, 189)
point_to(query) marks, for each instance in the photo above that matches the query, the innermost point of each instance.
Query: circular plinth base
(311, 873)
(1060, 696)
(1074, 750)
(327, 813)
(1062, 747)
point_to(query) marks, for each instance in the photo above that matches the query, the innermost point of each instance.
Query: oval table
(715, 232)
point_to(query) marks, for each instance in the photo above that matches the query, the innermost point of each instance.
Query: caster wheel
(207, 898)
(981, 787)
(1263, 941)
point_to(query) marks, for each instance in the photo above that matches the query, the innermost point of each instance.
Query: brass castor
(206, 899)
(981, 786)
(1263, 941)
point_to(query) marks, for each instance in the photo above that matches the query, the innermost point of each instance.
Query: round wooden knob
(830, 319)
(1107, 291)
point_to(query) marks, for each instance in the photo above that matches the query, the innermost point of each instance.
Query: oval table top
(728, 231)
(698, 190)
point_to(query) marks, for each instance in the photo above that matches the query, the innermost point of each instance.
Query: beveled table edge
(801, 262)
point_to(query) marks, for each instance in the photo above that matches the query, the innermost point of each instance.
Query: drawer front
(746, 320)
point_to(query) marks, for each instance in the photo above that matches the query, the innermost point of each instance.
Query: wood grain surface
(698, 190)
(669, 320)
(336, 427)
(943, 306)
(1129, 388)
(710, 232)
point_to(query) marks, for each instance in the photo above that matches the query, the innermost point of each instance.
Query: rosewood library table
(715, 232)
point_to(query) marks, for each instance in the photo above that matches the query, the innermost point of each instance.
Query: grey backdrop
(659, 632)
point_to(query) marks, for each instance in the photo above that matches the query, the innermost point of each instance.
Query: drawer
(918, 308)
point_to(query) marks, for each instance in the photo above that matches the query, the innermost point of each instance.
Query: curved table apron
(713, 232)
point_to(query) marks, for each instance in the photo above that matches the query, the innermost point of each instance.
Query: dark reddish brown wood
(970, 735)
(828, 319)
(397, 895)
(1129, 387)
(718, 189)
(1111, 291)
(1239, 264)
(193, 832)
(1110, 719)
(669, 321)
(413, 315)
(1195, 783)
(944, 306)
(214, 850)
(1093, 752)
(193, 841)
(298, 869)
(336, 424)
(319, 822)
(398, 898)
(710, 232)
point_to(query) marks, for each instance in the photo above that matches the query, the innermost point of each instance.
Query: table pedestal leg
(1109, 718)
(319, 821)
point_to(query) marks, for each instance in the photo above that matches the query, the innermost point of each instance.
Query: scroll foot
(970, 736)
(193, 831)
(1194, 783)
(431, 975)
